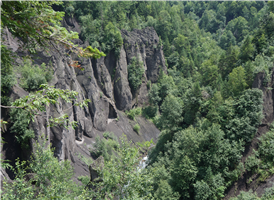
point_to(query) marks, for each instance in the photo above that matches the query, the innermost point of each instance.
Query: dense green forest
(204, 106)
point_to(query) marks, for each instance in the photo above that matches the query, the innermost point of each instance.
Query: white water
(142, 163)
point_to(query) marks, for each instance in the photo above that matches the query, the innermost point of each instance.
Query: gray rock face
(122, 93)
(144, 45)
(103, 77)
(105, 83)
(268, 97)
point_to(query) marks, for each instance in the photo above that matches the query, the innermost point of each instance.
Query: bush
(148, 85)
(135, 74)
(149, 112)
(105, 147)
(266, 147)
(136, 128)
(134, 112)
(7, 81)
(51, 179)
(32, 76)
(247, 117)
(246, 196)
(20, 127)
(84, 179)
(269, 194)
(251, 163)
(109, 135)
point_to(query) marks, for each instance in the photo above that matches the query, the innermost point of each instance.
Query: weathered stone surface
(123, 125)
(144, 45)
(268, 105)
(98, 107)
(105, 83)
(103, 77)
(122, 93)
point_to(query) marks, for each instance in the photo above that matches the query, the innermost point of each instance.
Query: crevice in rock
(112, 114)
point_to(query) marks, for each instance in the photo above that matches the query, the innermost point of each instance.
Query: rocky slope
(268, 111)
(105, 83)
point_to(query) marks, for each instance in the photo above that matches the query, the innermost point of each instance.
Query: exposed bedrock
(105, 83)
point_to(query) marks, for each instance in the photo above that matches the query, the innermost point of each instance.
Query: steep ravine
(105, 83)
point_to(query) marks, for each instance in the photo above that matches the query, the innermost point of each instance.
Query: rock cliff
(105, 83)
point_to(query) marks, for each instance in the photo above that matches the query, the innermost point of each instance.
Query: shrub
(246, 196)
(20, 127)
(134, 112)
(149, 112)
(149, 85)
(7, 81)
(32, 76)
(51, 179)
(136, 128)
(251, 163)
(135, 74)
(84, 179)
(105, 147)
(109, 135)
(266, 147)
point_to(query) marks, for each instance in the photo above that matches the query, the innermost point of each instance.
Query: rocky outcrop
(122, 91)
(144, 45)
(105, 83)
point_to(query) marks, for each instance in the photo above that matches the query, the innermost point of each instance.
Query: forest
(205, 105)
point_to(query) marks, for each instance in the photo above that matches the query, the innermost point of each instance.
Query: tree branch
(12, 106)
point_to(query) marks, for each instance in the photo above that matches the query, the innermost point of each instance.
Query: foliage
(248, 115)
(190, 157)
(26, 108)
(109, 135)
(144, 146)
(134, 112)
(237, 82)
(153, 95)
(204, 106)
(266, 148)
(38, 25)
(84, 179)
(261, 162)
(33, 103)
(6, 83)
(120, 177)
(7, 75)
(20, 127)
(4, 163)
(32, 76)
(149, 112)
(251, 163)
(171, 113)
(135, 74)
(136, 128)
(48, 178)
(246, 196)
(105, 147)
(267, 195)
